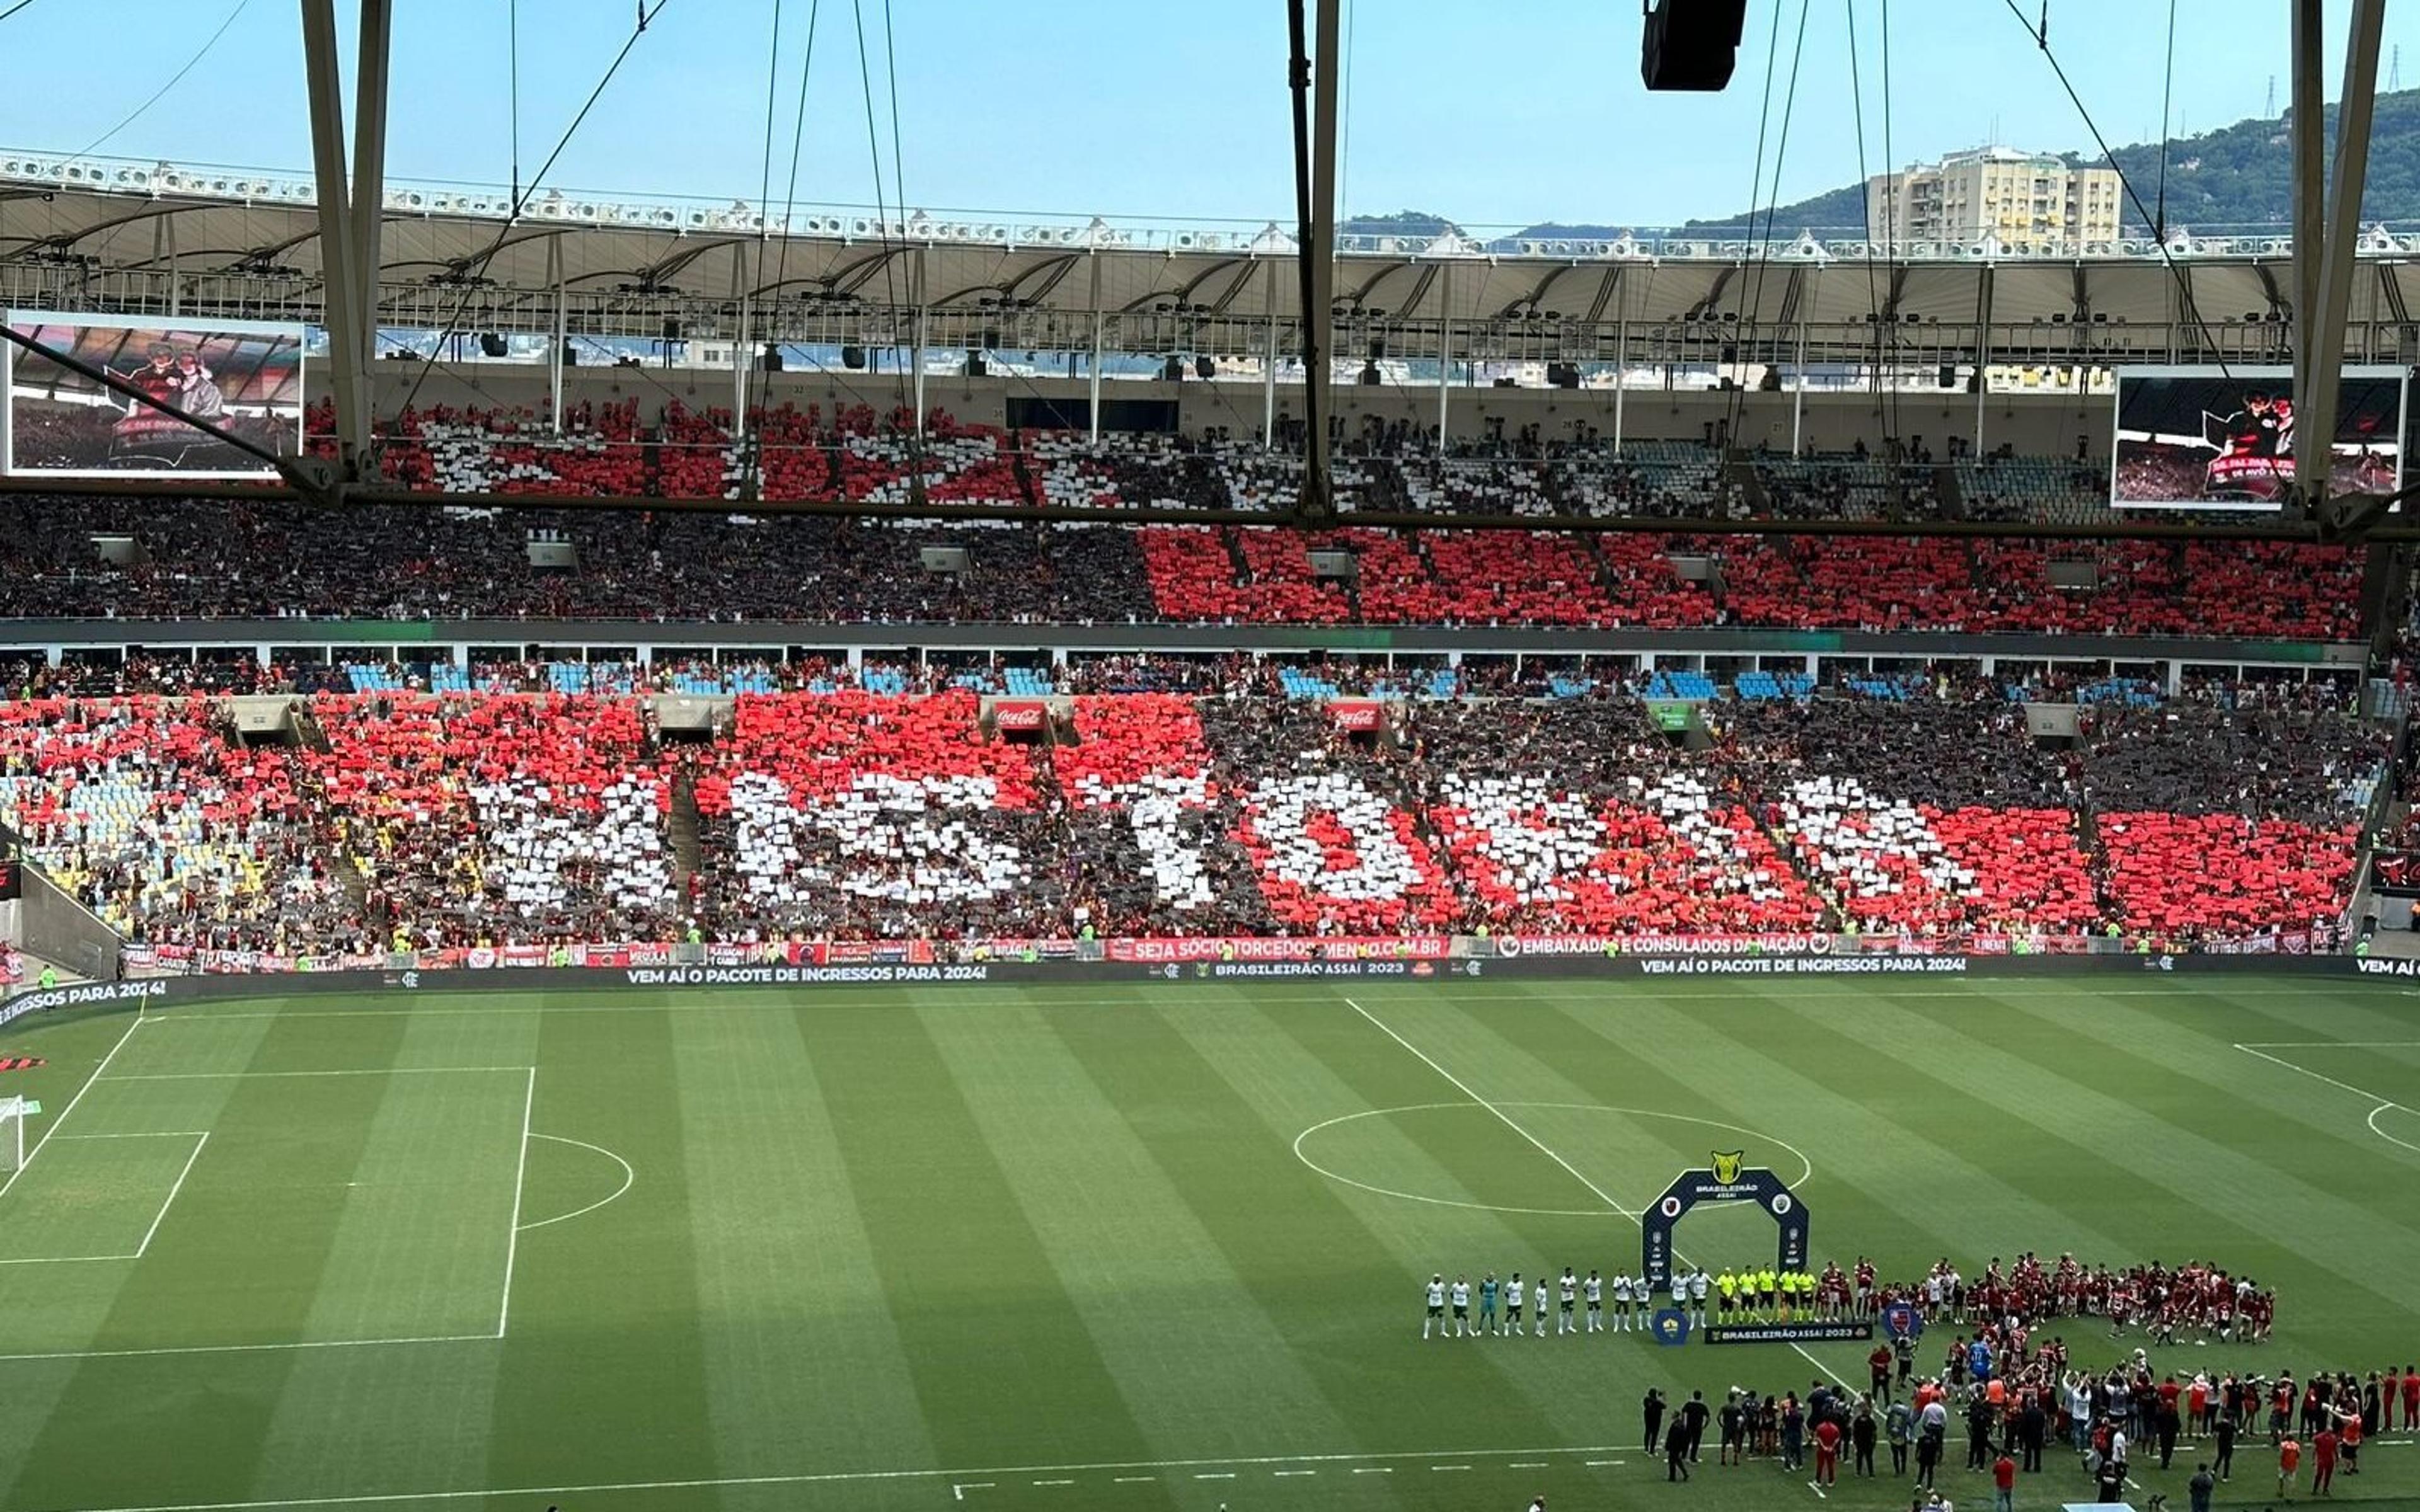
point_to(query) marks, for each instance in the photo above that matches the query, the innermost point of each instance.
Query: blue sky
(1498, 113)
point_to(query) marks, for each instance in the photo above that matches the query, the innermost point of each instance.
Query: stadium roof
(107, 235)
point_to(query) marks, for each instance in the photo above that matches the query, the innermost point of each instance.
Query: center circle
(1807, 1167)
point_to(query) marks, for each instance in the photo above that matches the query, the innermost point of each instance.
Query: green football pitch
(1112, 1246)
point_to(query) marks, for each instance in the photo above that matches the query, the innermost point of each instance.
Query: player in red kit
(2410, 1397)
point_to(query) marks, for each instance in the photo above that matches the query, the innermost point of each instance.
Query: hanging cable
(1883, 321)
(772, 84)
(1764, 244)
(478, 266)
(2177, 274)
(755, 466)
(2167, 92)
(14, 9)
(513, 88)
(174, 79)
(882, 210)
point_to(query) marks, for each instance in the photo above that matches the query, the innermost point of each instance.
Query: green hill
(2235, 176)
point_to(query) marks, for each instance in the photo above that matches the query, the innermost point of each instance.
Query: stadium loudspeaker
(1563, 374)
(772, 357)
(976, 366)
(1205, 367)
(1948, 374)
(1369, 376)
(852, 357)
(1691, 44)
(671, 328)
(1172, 370)
(494, 344)
(1377, 348)
(570, 355)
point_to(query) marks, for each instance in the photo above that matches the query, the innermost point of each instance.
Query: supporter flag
(1900, 1321)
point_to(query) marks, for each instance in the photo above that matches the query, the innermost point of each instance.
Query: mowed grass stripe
(423, 1242)
(1181, 1328)
(788, 1295)
(1895, 1177)
(603, 1371)
(2288, 1128)
(1297, 1063)
(51, 1306)
(1005, 1372)
(242, 1264)
(2147, 1176)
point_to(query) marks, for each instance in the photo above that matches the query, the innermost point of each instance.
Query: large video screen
(244, 376)
(2198, 438)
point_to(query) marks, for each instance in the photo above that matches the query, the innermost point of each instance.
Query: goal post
(14, 1111)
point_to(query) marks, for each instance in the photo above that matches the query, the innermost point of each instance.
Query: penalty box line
(1602, 1195)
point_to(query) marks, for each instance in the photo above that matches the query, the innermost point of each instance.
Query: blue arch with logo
(1692, 1189)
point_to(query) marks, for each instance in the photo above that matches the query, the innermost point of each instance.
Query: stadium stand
(885, 805)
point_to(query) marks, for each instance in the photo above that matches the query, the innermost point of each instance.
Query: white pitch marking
(2380, 1104)
(147, 1134)
(2329, 1045)
(1602, 1195)
(832, 1477)
(200, 1139)
(358, 1071)
(1493, 1206)
(1819, 1490)
(1282, 1474)
(1054, 1482)
(1219, 1475)
(35, 1152)
(140, 1250)
(250, 1349)
(629, 1176)
(512, 1237)
(1128, 1480)
(1375, 1469)
(1527, 1464)
(1593, 1464)
(1660, 985)
(1449, 1467)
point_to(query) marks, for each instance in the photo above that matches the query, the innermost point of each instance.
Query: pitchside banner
(244, 376)
(2205, 438)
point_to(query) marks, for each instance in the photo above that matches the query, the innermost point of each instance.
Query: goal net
(14, 1111)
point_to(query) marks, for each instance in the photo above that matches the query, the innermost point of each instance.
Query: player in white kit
(1435, 1319)
(1513, 1292)
(1461, 1307)
(1592, 1289)
(1621, 1302)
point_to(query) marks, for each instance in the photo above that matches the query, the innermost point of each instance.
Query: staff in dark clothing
(1653, 1408)
(2167, 1425)
(1978, 1435)
(1676, 1450)
(1694, 1414)
(2033, 1430)
(1861, 1438)
(2224, 1462)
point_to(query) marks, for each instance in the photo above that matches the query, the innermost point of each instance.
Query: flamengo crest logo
(1727, 1167)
